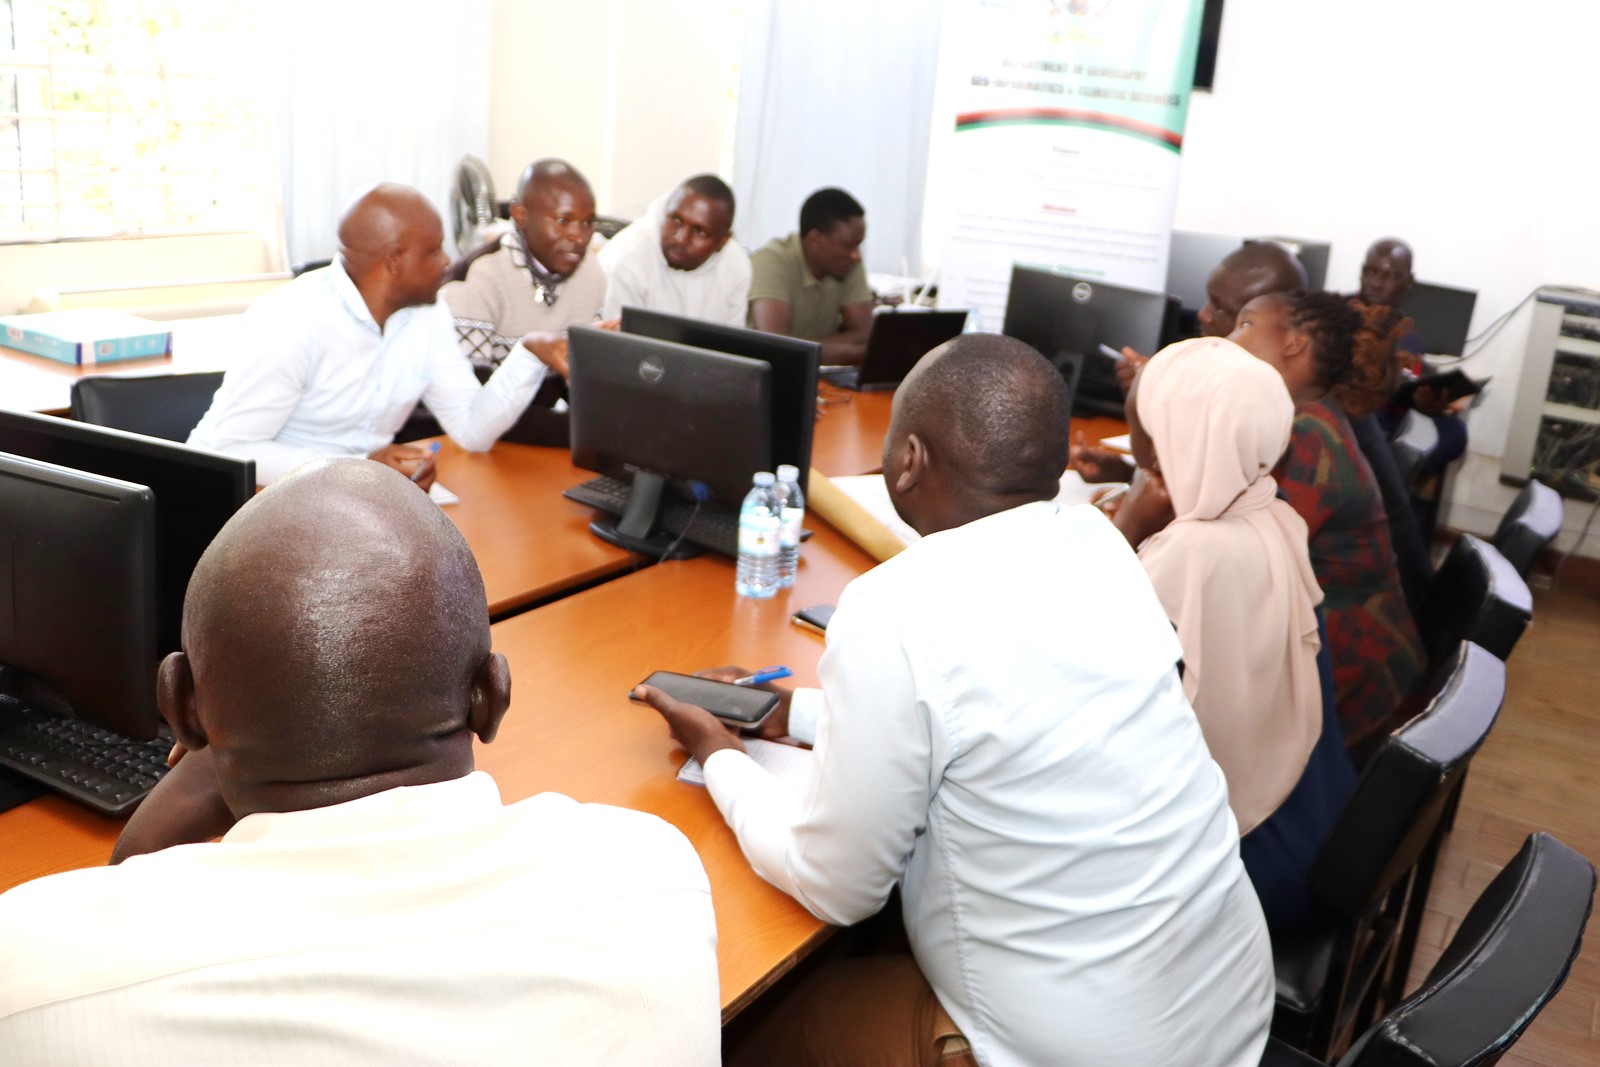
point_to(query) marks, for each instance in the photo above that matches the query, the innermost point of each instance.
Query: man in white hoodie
(679, 257)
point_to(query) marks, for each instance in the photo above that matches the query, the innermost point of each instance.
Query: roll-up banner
(1057, 133)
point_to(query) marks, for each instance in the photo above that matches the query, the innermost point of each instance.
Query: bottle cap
(788, 472)
(764, 478)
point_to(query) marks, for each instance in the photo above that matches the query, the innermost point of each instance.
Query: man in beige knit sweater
(540, 280)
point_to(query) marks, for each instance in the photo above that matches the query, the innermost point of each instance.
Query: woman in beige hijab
(1231, 568)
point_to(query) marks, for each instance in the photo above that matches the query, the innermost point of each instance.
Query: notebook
(784, 761)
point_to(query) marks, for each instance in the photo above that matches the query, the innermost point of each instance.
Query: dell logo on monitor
(651, 370)
(1082, 292)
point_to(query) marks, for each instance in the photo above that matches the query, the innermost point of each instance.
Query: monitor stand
(636, 530)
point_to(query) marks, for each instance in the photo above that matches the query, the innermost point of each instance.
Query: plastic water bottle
(759, 521)
(793, 516)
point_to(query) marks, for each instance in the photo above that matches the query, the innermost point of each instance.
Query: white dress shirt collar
(407, 809)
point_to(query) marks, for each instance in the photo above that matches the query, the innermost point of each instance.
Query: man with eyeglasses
(539, 281)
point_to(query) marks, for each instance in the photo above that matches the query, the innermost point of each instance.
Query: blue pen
(765, 674)
(433, 450)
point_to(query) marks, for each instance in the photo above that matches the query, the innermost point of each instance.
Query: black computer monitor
(794, 364)
(673, 418)
(1191, 257)
(1312, 254)
(1068, 318)
(78, 594)
(196, 491)
(1442, 316)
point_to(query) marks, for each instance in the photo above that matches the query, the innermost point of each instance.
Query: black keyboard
(94, 766)
(712, 527)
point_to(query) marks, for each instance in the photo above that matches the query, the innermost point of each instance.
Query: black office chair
(160, 405)
(1508, 960)
(1330, 975)
(457, 271)
(1476, 595)
(539, 424)
(1530, 524)
(1413, 442)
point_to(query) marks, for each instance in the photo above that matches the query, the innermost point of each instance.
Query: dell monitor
(675, 420)
(1068, 318)
(195, 492)
(1441, 316)
(78, 595)
(794, 374)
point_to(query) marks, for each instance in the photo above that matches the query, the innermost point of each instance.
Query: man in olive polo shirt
(811, 284)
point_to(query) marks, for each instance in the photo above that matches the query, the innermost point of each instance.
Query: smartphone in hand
(737, 705)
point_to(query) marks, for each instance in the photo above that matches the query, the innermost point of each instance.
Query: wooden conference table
(571, 727)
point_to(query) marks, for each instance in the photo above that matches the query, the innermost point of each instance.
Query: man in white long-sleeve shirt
(334, 361)
(1001, 731)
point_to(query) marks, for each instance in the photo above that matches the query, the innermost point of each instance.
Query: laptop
(897, 341)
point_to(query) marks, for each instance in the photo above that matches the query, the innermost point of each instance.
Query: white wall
(28, 268)
(637, 94)
(1460, 126)
(1457, 126)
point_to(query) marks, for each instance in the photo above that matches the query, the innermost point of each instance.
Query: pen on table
(1115, 494)
(765, 674)
(433, 450)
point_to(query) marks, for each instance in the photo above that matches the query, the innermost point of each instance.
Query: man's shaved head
(554, 212)
(1251, 271)
(379, 221)
(336, 642)
(989, 416)
(392, 245)
(542, 174)
(1386, 273)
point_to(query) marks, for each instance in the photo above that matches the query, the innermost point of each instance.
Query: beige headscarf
(1232, 569)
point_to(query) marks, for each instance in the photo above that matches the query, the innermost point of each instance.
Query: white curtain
(837, 92)
(396, 92)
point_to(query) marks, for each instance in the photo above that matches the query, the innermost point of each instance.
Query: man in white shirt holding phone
(1001, 731)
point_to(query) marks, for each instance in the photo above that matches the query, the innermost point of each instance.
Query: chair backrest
(161, 405)
(1476, 595)
(457, 271)
(1509, 958)
(1531, 523)
(1403, 789)
(1414, 439)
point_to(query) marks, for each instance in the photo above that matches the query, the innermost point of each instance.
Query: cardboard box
(85, 338)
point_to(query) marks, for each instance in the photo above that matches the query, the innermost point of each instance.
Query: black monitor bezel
(796, 368)
(1429, 296)
(129, 450)
(598, 451)
(99, 659)
(1053, 292)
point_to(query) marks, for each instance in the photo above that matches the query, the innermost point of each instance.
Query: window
(127, 118)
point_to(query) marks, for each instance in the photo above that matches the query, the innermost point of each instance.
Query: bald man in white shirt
(372, 901)
(334, 362)
(1001, 732)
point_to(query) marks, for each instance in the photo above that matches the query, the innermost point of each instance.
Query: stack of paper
(871, 493)
(86, 337)
(785, 761)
